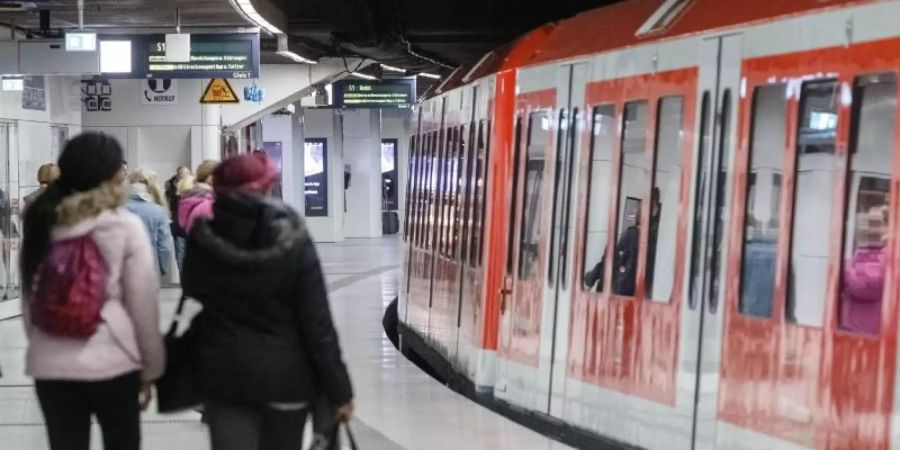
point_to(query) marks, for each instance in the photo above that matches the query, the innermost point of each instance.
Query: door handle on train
(504, 292)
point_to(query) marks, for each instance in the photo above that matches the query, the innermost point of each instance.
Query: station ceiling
(418, 35)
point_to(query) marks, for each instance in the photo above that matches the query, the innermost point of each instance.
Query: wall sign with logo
(34, 93)
(159, 92)
(96, 95)
(392, 93)
(315, 171)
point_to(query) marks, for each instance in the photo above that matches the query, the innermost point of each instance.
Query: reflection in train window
(410, 183)
(665, 206)
(469, 150)
(481, 174)
(632, 189)
(515, 196)
(703, 149)
(600, 186)
(868, 198)
(763, 197)
(538, 134)
(814, 183)
(456, 233)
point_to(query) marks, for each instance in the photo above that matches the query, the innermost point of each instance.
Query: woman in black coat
(266, 347)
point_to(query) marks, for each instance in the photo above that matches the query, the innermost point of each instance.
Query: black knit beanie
(89, 160)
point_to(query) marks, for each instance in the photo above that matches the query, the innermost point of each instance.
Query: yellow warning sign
(219, 91)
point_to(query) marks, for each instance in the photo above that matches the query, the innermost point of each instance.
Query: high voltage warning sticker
(219, 91)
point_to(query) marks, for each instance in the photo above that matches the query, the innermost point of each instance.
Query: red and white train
(672, 224)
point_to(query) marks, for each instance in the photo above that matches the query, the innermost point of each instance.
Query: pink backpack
(70, 289)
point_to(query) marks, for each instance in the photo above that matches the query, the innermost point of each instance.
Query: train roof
(631, 23)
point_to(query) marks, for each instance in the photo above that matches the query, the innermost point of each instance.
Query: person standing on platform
(173, 197)
(47, 174)
(197, 202)
(144, 202)
(90, 301)
(266, 348)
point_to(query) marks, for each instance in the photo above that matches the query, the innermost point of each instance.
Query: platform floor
(397, 405)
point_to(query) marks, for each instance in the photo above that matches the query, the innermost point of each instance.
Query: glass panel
(538, 134)
(868, 200)
(556, 208)
(570, 178)
(700, 172)
(632, 189)
(467, 155)
(514, 198)
(480, 193)
(600, 187)
(458, 198)
(665, 206)
(720, 214)
(410, 183)
(763, 200)
(814, 184)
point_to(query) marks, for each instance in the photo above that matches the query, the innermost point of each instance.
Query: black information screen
(358, 93)
(231, 55)
(315, 183)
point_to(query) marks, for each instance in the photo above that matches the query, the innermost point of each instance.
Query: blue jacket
(157, 222)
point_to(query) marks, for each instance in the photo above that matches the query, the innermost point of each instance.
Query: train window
(431, 222)
(480, 200)
(515, 196)
(447, 191)
(458, 198)
(572, 139)
(558, 175)
(868, 199)
(694, 293)
(532, 208)
(634, 171)
(410, 182)
(468, 177)
(600, 186)
(427, 195)
(813, 185)
(665, 200)
(721, 170)
(763, 200)
(422, 188)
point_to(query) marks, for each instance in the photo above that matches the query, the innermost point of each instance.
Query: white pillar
(211, 132)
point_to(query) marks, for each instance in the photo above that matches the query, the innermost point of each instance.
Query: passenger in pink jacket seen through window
(864, 274)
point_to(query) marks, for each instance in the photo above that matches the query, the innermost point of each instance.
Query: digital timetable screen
(230, 56)
(391, 93)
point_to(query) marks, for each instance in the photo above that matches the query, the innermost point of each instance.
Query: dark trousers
(234, 426)
(69, 405)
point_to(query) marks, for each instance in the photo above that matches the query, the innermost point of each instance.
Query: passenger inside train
(627, 250)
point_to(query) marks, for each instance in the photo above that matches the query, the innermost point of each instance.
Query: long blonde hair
(147, 178)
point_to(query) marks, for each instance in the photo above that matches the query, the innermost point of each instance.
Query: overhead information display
(391, 93)
(229, 56)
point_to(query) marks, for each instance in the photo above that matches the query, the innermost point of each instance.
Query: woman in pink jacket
(864, 274)
(94, 345)
(197, 203)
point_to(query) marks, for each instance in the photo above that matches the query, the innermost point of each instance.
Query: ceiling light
(249, 12)
(363, 76)
(392, 68)
(295, 57)
(429, 75)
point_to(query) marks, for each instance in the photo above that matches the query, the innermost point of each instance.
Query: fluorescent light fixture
(115, 56)
(81, 42)
(295, 57)
(363, 76)
(13, 84)
(429, 75)
(392, 68)
(249, 11)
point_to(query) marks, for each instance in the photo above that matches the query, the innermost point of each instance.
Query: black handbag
(333, 439)
(175, 389)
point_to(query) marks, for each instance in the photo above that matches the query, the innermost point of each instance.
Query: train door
(719, 85)
(571, 82)
(534, 327)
